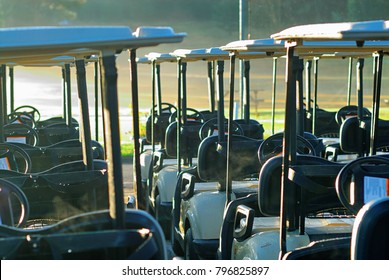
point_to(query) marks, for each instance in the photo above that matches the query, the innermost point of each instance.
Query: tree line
(263, 16)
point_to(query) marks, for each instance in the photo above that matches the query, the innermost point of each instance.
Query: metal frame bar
(378, 63)
(228, 185)
(84, 113)
(136, 134)
(96, 80)
(246, 96)
(289, 151)
(349, 82)
(11, 75)
(220, 101)
(67, 100)
(308, 93)
(315, 91)
(3, 94)
(274, 92)
(211, 85)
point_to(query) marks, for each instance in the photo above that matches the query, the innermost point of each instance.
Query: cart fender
(167, 182)
(205, 214)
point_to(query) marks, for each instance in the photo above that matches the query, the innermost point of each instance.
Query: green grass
(127, 149)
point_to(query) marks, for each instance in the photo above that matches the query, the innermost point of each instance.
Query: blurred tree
(38, 12)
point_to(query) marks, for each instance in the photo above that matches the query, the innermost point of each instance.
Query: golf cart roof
(268, 45)
(200, 54)
(53, 41)
(333, 47)
(56, 61)
(353, 31)
(157, 57)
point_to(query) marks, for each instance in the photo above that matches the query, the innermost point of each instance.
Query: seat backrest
(355, 137)
(370, 237)
(352, 137)
(57, 132)
(212, 158)
(207, 114)
(161, 123)
(252, 129)
(382, 138)
(326, 125)
(315, 175)
(328, 249)
(53, 120)
(65, 190)
(190, 139)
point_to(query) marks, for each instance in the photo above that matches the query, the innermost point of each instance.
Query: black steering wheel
(19, 131)
(21, 117)
(272, 146)
(350, 182)
(13, 157)
(9, 194)
(165, 108)
(191, 114)
(29, 110)
(210, 127)
(350, 111)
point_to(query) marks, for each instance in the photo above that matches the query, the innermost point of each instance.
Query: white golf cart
(184, 128)
(301, 214)
(201, 196)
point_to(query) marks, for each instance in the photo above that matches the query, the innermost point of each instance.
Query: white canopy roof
(260, 45)
(157, 57)
(16, 43)
(201, 54)
(355, 31)
(324, 49)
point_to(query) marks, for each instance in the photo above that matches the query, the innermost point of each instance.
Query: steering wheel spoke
(13, 157)
(29, 110)
(10, 214)
(272, 146)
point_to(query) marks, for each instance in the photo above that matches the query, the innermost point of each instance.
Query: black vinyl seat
(160, 125)
(87, 236)
(56, 132)
(329, 249)
(190, 139)
(251, 129)
(354, 137)
(314, 177)
(326, 125)
(211, 167)
(370, 238)
(361, 186)
(212, 157)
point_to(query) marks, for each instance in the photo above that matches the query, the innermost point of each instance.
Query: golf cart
(111, 233)
(301, 214)
(156, 125)
(195, 228)
(184, 129)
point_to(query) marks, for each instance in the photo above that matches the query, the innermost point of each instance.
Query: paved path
(128, 189)
(127, 178)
